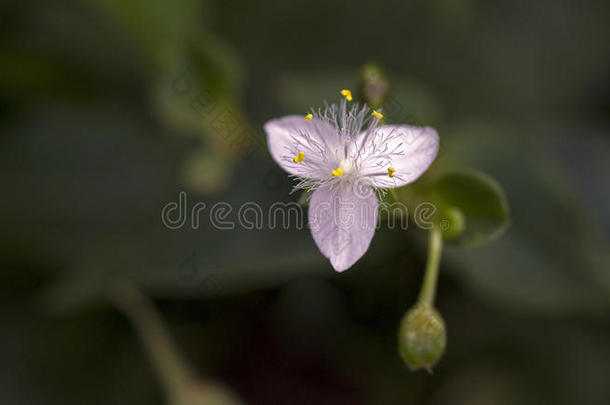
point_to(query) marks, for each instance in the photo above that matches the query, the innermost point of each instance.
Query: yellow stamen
(299, 158)
(308, 117)
(391, 171)
(338, 172)
(376, 114)
(347, 94)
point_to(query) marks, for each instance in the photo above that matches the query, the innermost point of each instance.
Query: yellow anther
(338, 172)
(376, 114)
(299, 158)
(391, 171)
(308, 117)
(347, 94)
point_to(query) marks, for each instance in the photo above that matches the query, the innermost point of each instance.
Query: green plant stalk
(180, 382)
(435, 248)
(172, 369)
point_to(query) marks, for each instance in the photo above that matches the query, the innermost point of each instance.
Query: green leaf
(479, 198)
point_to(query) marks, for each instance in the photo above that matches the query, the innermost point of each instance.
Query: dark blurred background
(110, 109)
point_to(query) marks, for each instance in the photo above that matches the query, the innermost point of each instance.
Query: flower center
(345, 168)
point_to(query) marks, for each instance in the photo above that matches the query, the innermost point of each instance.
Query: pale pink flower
(343, 155)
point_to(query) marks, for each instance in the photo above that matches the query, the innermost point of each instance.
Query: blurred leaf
(151, 26)
(480, 199)
(554, 259)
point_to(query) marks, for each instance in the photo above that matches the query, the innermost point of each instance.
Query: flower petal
(342, 222)
(288, 136)
(409, 150)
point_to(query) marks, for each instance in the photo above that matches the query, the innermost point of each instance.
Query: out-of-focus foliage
(108, 109)
(477, 198)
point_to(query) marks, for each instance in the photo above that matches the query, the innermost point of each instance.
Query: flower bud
(452, 223)
(374, 88)
(421, 337)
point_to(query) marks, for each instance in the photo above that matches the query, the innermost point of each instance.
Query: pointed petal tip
(339, 268)
(342, 224)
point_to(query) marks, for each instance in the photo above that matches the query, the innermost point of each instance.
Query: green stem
(435, 248)
(174, 372)
(180, 382)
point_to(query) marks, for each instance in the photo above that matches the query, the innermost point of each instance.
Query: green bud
(422, 337)
(452, 223)
(374, 88)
